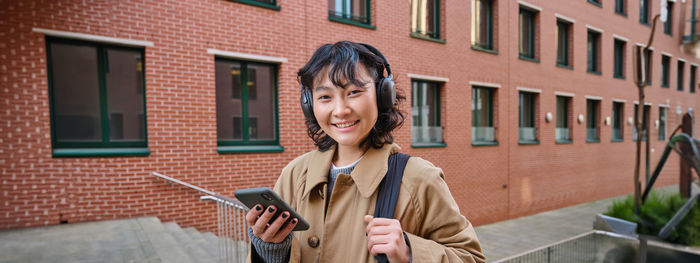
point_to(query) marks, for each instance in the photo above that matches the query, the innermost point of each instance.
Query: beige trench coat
(428, 214)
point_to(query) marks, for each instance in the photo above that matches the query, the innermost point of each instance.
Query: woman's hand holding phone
(258, 219)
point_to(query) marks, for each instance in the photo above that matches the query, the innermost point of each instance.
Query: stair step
(193, 249)
(164, 244)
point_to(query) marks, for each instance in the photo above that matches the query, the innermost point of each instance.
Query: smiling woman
(351, 108)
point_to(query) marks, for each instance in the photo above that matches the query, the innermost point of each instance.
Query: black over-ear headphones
(386, 91)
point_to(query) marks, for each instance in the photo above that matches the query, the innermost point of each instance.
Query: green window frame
(592, 120)
(104, 129)
(596, 2)
(619, 59)
(483, 129)
(562, 130)
(563, 43)
(618, 116)
(593, 52)
(527, 123)
(426, 129)
(644, 12)
(243, 121)
(271, 4)
(668, 25)
(621, 7)
(679, 76)
(425, 18)
(527, 20)
(662, 123)
(645, 120)
(482, 24)
(665, 71)
(354, 12)
(693, 81)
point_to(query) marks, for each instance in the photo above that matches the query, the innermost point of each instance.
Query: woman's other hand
(385, 236)
(258, 218)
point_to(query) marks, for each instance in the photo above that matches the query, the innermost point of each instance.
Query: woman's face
(346, 114)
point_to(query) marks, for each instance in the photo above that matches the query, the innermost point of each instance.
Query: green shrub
(657, 210)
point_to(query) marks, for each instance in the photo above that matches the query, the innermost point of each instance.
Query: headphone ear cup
(386, 94)
(307, 104)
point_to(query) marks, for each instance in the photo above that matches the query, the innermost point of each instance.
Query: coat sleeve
(443, 234)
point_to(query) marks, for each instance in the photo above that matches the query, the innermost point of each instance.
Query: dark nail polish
(257, 207)
(294, 221)
(284, 215)
(271, 210)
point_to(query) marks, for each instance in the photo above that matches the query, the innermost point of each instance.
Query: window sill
(259, 4)
(617, 140)
(424, 37)
(595, 3)
(595, 72)
(665, 86)
(593, 140)
(350, 22)
(250, 149)
(428, 144)
(563, 141)
(528, 59)
(644, 23)
(565, 66)
(619, 77)
(101, 152)
(528, 142)
(485, 143)
(622, 14)
(478, 48)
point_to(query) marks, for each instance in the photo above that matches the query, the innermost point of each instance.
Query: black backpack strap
(389, 191)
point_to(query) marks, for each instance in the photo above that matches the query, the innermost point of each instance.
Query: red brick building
(96, 95)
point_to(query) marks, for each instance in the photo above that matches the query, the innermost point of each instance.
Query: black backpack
(389, 191)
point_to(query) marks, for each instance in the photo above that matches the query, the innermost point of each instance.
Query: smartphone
(266, 197)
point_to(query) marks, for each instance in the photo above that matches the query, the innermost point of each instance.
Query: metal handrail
(230, 220)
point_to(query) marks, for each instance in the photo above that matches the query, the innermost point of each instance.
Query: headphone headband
(380, 55)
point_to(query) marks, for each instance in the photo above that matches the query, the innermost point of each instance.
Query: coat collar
(367, 175)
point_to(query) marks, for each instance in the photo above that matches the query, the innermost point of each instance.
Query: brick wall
(490, 183)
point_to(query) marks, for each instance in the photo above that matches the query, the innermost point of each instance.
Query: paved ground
(515, 236)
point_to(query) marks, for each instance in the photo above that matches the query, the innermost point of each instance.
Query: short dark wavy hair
(343, 58)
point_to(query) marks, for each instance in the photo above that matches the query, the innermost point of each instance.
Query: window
(662, 123)
(352, 11)
(593, 51)
(482, 24)
(668, 25)
(681, 68)
(482, 116)
(665, 70)
(619, 67)
(527, 122)
(246, 106)
(563, 43)
(97, 98)
(644, 12)
(595, 2)
(425, 18)
(593, 120)
(621, 7)
(645, 120)
(425, 113)
(563, 125)
(693, 81)
(618, 116)
(272, 4)
(527, 33)
(649, 57)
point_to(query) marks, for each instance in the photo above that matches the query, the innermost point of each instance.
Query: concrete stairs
(143, 239)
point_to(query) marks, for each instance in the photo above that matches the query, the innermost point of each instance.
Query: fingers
(261, 223)
(284, 232)
(271, 232)
(253, 214)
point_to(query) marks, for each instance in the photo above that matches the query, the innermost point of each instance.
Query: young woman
(351, 110)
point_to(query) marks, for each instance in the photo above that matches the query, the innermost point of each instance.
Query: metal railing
(234, 243)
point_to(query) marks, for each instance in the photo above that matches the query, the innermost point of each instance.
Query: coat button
(313, 241)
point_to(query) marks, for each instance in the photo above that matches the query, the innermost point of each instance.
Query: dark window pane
(668, 25)
(592, 120)
(262, 107)
(620, 6)
(482, 113)
(483, 23)
(124, 82)
(681, 69)
(619, 58)
(356, 10)
(562, 131)
(644, 11)
(593, 51)
(425, 112)
(693, 72)
(562, 36)
(423, 17)
(76, 97)
(662, 123)
(526, 32)
(527, 130)
(617, 120)
(228, 106)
